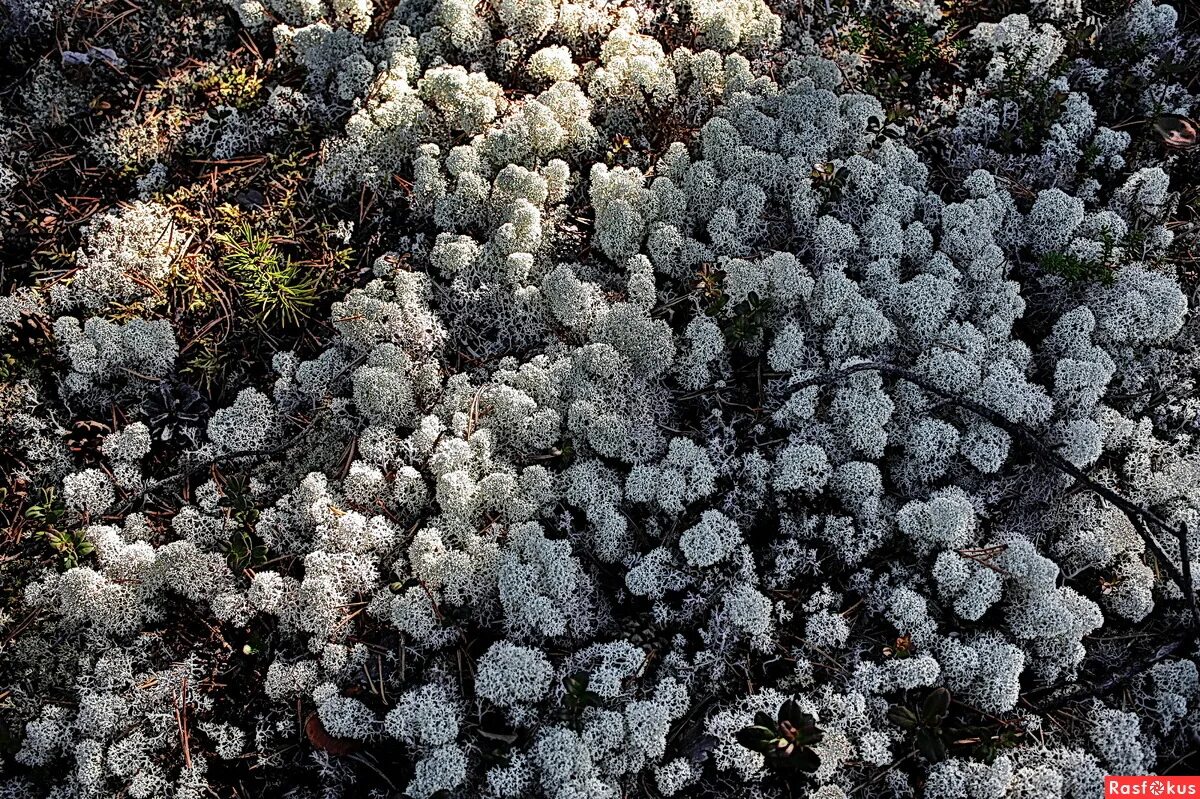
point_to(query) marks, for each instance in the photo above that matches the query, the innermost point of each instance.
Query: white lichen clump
(687, 392)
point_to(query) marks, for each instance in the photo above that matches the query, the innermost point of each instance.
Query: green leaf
(759, 739)
(800, 727)
(805, 759)
(809, 733)
(577, 683)
(935, 707)
(931, 745)
(790, 711)
(902, 717)
(761, 719)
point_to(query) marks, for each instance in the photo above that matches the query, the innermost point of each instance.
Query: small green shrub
(269, 281)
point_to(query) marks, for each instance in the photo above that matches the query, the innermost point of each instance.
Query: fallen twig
(1142, 518)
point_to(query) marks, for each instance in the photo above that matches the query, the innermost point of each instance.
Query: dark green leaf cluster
(787, 740)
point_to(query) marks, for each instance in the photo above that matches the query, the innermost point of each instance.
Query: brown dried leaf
(315, 731)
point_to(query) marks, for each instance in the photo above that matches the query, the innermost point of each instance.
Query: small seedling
(270, 282)
(244, 549)
(578, 697)
(925, 723)
(46, 512)
(1075, 269)
(785, 741)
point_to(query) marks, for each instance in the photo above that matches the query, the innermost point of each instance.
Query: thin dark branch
(1185, 561)
(228, 457)
(1143, 519)
(1115, 680)
(207, 464)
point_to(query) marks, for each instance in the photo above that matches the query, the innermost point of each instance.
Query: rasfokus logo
(1151, 786)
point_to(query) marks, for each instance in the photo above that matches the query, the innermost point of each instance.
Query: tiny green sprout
(72, 545)
(747, 319)
(270, 282)
(785, 741)
(578, 697)
(1075, 269)
(244, 548)
(925, 723)
(45, 514)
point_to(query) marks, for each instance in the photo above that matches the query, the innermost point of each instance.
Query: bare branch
(1143, 519)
